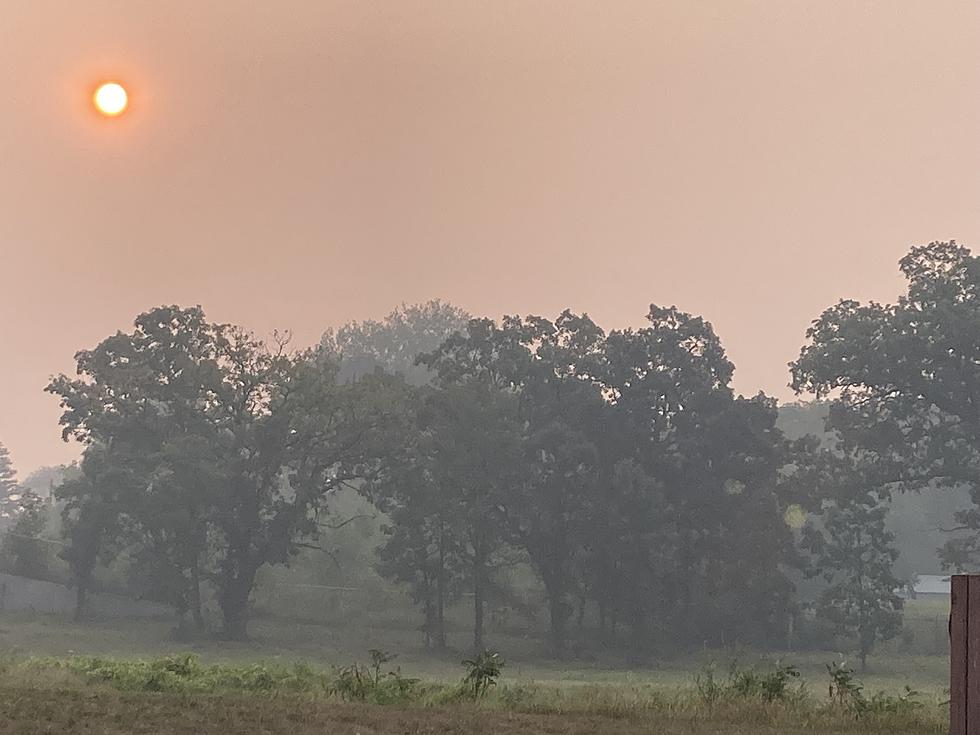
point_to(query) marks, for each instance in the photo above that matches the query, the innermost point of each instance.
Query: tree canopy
(619, 469)
(222, 451)
(9, 490)
(905, 378)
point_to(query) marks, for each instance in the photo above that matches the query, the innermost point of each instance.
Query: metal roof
(931, 584)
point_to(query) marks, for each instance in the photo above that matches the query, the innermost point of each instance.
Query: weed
(709, 689)
(770, 686)
(483, 670)
(516, 696)
(185, 673)
(363, 683)
(847, 692)
(844, 689)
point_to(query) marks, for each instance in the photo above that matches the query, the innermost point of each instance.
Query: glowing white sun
(111, 99)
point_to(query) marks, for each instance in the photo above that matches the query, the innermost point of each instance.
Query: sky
(298, 164)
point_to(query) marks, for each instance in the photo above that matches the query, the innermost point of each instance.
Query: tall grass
(775, 698)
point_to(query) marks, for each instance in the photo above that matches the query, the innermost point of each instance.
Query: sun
(110, 99)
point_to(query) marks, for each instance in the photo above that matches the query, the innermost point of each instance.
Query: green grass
(287, 642)
(182, 694)
(130, 667)
(68, 710)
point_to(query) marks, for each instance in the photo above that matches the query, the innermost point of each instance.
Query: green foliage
(482, 673)
(621, 467)
(360, 683)
(23, 543)
(9, 492)
(517, 696)
(844, 690)
(906, 377)
(608, 462)
(847, 692)
(854, 551)
(764, 699)
(213, 452)
(185, 673)
(393, 343)
(708, 686)
(771, 686)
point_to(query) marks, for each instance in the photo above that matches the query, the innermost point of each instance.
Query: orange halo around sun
(110, 99)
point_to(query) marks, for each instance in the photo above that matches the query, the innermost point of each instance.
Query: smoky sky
(299, 164)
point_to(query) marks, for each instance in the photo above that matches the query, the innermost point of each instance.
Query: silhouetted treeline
(621, 466)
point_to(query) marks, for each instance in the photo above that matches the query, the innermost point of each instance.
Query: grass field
(535, 695)
(72, 710)
(181, 694)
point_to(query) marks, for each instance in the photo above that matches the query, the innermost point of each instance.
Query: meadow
(129, 676)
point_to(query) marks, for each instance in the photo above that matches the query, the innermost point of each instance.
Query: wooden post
(964, 655)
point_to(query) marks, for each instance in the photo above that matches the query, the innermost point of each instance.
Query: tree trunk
(866, 646)
(428, 632)
(558, 613)
(440, 631)
(195, 600)
(80, 596)
(181, 631)
(479, 563)
(559, 617)
(639, 624)
(234, 601)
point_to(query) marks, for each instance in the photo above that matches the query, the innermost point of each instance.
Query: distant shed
(930, 587)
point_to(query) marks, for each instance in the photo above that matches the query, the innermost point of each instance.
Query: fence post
(964, 655)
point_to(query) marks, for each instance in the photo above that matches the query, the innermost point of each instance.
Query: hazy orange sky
(299, 164)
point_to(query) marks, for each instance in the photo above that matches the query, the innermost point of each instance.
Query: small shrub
(770, 686)
(353, 683)
(378, 659)
(363, 683)
(483, 670)
(882, 703)
(709, 689)
(847, 692)
(185, 673)
(516, 696)
(844, 689)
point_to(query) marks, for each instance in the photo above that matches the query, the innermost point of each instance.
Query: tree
(422, 548)
(91, 514)
(562, 408)
(476, 438)
(419, 549)
(906, 381)
(9, 490)
(140, 399)
(698, 467)
(44, 480)
(475, 428)
(300, 437)
(395, 342)
(854, 552)
(916, 518)
(216, 452)
(23, 544)
(539, 371)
